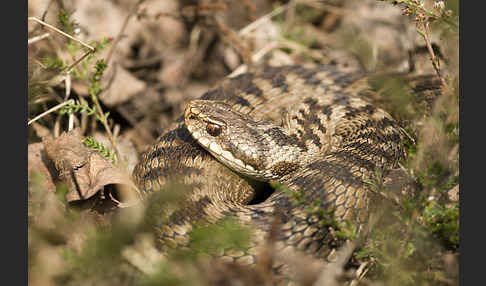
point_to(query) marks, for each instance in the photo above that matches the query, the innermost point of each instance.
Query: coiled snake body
(304, 127)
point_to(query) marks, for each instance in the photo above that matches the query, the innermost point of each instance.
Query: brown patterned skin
(347, 138)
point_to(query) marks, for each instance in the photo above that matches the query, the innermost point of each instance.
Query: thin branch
(106, 126)
(132, 12)
(435, 62)
(71, 101)
(61, 32)
(90, 48)
(234, 39)
(267, 48)
(68, 93)
(37, 38)
(71, 67)
(254, 58)
(247, 29)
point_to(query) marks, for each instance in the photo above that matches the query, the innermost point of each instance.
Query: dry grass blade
(61, 32)
(260, 21)
(57, 107)
(257, 56)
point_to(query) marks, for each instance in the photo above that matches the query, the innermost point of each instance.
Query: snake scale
(307, 128)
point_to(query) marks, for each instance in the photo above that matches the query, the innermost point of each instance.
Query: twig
(70, 68)
(107, 60)
(262, 20)
(423, 18)
(251, 9)
(61, 32)
(234, 38)
(37, 38)
(124, 204)
(71, 101)
(300, 48)
(132, 12)
(90, 48)
(254, 58)
(267, 48)
(68, 93)
(107, 127)
(435, 62)
(47, 10)
(84, 116)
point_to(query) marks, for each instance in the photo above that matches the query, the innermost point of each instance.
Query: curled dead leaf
(84, 170)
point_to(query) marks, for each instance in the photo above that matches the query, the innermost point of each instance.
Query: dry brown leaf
(38, 162)
(453, 194)
(120, 85)
(84, 170)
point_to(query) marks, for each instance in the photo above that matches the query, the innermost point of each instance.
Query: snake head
(241, 143)
(225, 133)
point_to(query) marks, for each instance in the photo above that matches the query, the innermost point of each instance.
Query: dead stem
(132, 12)
(103, 120)
(62, 33)
(71, 101)
(38, 38)
(435, 62)
(260, 21)
(70, 68)
(233, 38)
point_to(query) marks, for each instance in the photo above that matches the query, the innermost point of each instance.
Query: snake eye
(213, 129)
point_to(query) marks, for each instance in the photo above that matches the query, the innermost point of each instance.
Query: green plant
(106, 152)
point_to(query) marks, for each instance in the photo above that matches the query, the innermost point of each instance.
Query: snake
(307, 128)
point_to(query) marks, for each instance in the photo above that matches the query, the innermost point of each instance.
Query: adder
(307, 128)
